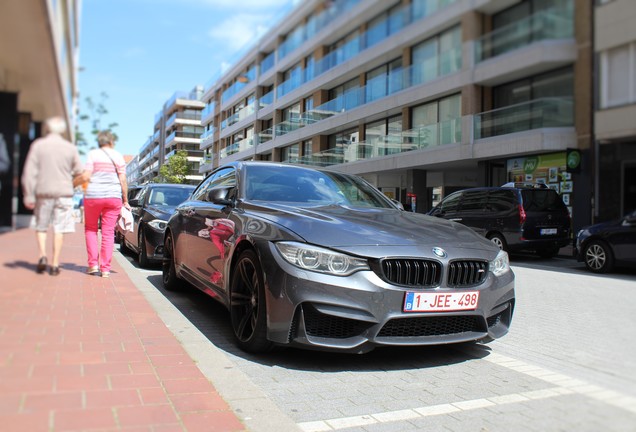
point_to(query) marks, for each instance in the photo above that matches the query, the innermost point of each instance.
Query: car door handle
(456, 219)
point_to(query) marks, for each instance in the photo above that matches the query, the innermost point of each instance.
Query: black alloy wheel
(598, 257)
(144, 262)
(168, 271)
(247, 304)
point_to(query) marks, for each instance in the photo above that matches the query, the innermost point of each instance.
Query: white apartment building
(420, 97)
(177, 126)
(39, 50)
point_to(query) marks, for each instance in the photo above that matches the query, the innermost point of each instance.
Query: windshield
(306, 186)
(168, 196)
(542, 200)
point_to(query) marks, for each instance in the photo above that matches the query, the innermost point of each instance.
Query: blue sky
(139, 52)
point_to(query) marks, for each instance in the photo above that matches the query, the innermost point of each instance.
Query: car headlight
(320, 260)
(158, 224)
(501, 264)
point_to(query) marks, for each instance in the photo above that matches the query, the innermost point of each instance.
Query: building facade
(615, 108)
(39, 48)
(177, 126)
(420, 97)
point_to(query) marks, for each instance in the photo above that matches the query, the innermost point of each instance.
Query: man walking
(47, 183)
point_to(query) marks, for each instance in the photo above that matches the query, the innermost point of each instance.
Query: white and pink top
(104, 181)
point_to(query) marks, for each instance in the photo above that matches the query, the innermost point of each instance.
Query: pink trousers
(108, 208)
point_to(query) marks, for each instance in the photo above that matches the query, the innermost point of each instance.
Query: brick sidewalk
(80, 352)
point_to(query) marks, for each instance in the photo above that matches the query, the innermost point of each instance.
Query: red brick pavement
(82, 353)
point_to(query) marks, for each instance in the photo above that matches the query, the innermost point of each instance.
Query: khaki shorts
(57, 212)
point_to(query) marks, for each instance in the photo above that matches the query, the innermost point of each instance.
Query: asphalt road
(568, 363)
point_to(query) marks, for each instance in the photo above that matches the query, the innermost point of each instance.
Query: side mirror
(134, 202)
(221, 196)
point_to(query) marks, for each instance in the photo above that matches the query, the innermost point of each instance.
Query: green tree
(92, 114)
(175, 169)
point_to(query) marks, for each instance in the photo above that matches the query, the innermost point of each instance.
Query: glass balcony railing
(535, 114)
(268, 62)
(248, 77)
(189, 153)
(539, 113)
(209, 109)
(242, 114)
(305, 32)
(266, 135)
(208, 134)
(266, 99)
(382, 86)
(540, 26)
(236, 147)
(442, 133)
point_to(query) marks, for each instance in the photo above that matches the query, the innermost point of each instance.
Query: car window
(305, 186)
(451, 203)
(474, 200)
(542, 200)
(222, 176)
(500, 200)
(168, 196)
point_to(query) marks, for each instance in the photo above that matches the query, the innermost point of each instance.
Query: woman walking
(107, 191)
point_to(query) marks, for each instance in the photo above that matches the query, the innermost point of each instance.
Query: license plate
(548, 231)
(440, 302)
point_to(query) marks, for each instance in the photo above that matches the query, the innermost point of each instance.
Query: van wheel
(499, 241)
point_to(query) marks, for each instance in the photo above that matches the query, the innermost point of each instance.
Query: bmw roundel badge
(440, 252)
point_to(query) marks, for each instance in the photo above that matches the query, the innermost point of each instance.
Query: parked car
(153, 204)
(313, 258)
(133, 190)
(606, 245)
(515, 217)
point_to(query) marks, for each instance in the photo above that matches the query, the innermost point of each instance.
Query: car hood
(355, 229)
(162, 212)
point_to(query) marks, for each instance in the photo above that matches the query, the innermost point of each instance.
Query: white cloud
(239, 30)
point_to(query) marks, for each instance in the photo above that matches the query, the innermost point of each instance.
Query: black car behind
(515, 216)
(608, 244)
(151, 208)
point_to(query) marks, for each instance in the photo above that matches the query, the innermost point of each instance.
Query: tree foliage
(91, 114)
(175, 169)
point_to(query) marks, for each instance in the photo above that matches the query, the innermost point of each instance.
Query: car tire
(499, 241)
(598, 257)
(142, 257)
(248, 311)
(171, 281)
(548, 252)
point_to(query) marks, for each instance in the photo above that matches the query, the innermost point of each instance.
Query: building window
(384, 80)
(343, 139)
(437, 122)
(618, 76)
(289, 153)
(438, 56)
(307, 148)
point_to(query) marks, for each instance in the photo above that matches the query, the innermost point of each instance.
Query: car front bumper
(361, 311)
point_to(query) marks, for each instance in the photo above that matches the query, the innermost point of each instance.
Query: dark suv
(515, 217)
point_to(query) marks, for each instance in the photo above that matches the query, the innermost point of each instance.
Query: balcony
(540, 125)
(207, 138)
(535, 114)
(191, 154)
(242, 114)
(540, 26)
(236, 148)
(186, 137)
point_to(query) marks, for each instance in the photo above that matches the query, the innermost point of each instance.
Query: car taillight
(522, 215)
